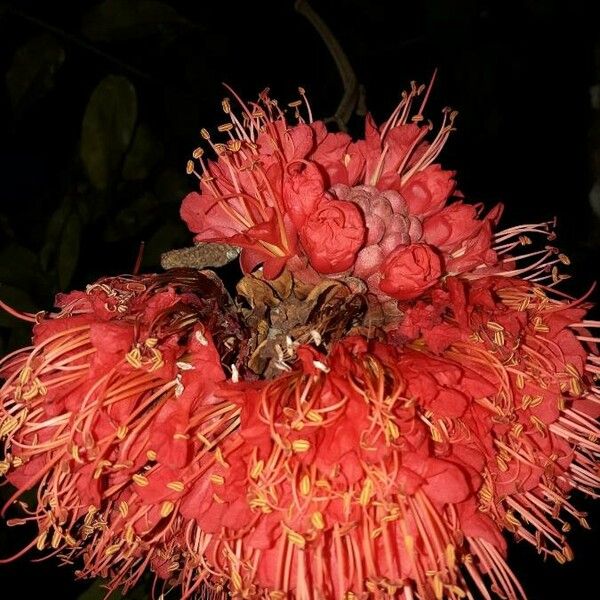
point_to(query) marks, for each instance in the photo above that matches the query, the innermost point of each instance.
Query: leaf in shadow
(31, 74)
(68, 250)
(145, 152)
(121, 20)
(19, 266)
(98, 591)
(172, 234)
(54, 229)
(107, 130)
(171, 186)
(132, 219)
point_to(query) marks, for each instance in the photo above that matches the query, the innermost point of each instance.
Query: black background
(519, 73)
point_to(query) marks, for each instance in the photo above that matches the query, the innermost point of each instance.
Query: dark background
(102, 103)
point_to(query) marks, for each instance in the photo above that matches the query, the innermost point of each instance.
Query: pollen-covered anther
(166, 508)
(140, 480)
(366, 492)
(305, 485)
(314, 416)
(300, 446)
(257, 469)
(176, 486)
(234, 145)
(296, 538)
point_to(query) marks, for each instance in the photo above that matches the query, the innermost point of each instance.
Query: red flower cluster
(384, 463)
(322, 204)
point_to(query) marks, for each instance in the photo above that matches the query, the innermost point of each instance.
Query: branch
(353, 92)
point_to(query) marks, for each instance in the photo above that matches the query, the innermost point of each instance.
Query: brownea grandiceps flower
(395, 388)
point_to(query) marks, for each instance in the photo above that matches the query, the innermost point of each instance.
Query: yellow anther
(438, 587)
(112, 549)
(366, 493)
(176, 486)
(41, 540)
(300, 446)
(305, 485)
(166, 508)
(296, 539)
(314, 417)
(220, 459)
(140, 480)
(257, 469)
(317, 520)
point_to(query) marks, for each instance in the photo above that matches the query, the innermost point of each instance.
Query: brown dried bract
(284, 313)
(201, 256)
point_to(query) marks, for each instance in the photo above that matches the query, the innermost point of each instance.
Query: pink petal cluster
(322, 204)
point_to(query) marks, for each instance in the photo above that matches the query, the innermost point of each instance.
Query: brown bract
(283, 313)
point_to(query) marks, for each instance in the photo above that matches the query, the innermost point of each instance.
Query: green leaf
(108, 125)
(121, 20)
(68, 251)
(97, 591)
(32, 71)
(171, 186)
(53, 230)
(146, 150)
(132, 219)
(173, 234)
(20, 267)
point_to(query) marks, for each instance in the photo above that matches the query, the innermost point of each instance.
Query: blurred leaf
(97, 591)
(171, 186)
(15, 298)
(173, 234)
(119, 20)
(20, 267)
(32, 71)
(132, 219)
(107, 129)
(53, 230)
(68, 251)
(146, 150)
